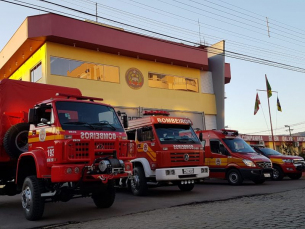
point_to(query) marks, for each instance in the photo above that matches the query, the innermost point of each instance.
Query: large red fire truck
(63, 147)
(168, 152)
(230, 157)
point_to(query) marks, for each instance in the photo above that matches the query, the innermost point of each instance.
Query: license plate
(266, 174)
(188, 171)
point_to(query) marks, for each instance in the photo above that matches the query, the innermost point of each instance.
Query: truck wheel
(104, 198)
(15, 140)
(186, 187)
(138, 183)
(277, 173)
(295, 176)
(234, 177)
(32, 203)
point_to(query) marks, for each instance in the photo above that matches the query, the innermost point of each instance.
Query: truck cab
(230, 157)
(168, 152)
(283, 165)
(66, 146)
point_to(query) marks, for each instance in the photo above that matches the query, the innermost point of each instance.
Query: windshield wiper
(81, 124)
(186, 139)
(104, 123)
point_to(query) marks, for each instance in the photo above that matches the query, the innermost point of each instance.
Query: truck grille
(298, 161)
(81, 151)
(185, 157)
(264, 165)
(90, 150)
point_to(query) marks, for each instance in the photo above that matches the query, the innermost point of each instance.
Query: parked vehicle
(283, 165)
(63, 147)
(230, 157)
(168, 152)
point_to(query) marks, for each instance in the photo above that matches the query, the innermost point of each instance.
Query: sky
(242, 24)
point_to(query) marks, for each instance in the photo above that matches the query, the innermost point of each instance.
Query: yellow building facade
(136, 79)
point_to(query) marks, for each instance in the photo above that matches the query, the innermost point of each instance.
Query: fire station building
(132, 72)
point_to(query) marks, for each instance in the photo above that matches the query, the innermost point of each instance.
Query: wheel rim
(21, 141)
(276, 174)
(135, 181)
(233, 177)
(26, 198)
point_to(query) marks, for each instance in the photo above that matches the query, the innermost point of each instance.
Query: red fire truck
(168, 152)
(230, 157)
(63, 147)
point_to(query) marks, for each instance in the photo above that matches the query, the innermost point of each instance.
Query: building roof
(36, 30)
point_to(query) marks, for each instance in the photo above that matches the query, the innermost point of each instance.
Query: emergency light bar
(79, 97)
(232, 132)
(156, 112)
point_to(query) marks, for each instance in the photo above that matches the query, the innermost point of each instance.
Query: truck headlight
(287, 160)
(103, 165)
(248, 163)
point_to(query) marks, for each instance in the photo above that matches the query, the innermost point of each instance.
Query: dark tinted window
(176, 134)
(268, 151)
(87, 116)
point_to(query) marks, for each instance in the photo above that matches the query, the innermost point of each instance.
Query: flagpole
(270, 114)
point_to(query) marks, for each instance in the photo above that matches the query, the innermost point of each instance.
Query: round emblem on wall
(42, 135)
(134, 78)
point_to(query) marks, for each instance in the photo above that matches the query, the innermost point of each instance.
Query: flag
(257, 103)
(279, 108)
(268, 88)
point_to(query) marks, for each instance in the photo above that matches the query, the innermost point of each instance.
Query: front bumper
(59, 174)
(300, 167)
(183, 173)
(254, 174)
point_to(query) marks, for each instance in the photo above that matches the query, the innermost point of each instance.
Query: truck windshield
(87, 116)
(238, 145)
(176, 134)
(268, 151)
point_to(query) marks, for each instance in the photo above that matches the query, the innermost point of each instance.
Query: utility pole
(289, 129)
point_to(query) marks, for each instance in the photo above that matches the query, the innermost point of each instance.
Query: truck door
(146, 145)
(218, 159)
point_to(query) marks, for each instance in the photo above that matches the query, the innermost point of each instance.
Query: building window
(36, 73)
(172, 82)
(84, 70)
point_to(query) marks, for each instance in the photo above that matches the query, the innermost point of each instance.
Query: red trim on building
(70, 31)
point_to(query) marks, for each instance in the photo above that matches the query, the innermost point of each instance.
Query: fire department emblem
(145, 147)
(42, 135)
(186, 157)
(134, 78)
(218, 161)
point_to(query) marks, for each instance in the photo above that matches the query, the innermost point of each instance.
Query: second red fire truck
(168, 152)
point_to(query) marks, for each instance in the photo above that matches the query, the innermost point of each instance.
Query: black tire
(277, 173)
(32, 203)
(259, 181)
(104, 197)
(295, 176)
(15, 141)
(138, 184)
(186, 187)
(234, 177)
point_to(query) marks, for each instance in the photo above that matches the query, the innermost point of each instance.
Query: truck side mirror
(32, 116)
(200, 137)
(139, 135)
(125, 121)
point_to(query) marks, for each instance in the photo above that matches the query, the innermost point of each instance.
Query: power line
(227, 53)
